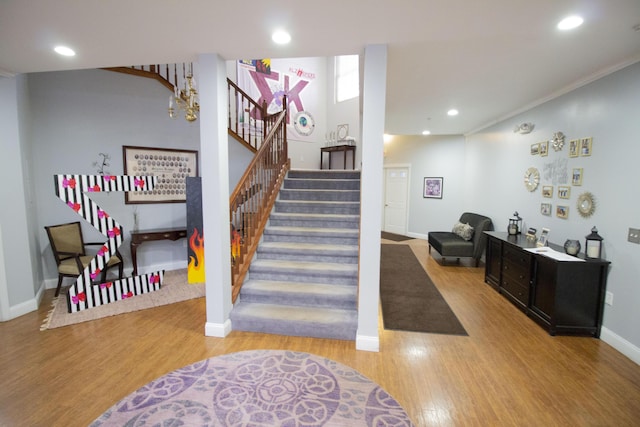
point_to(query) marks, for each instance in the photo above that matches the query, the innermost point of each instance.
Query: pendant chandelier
(185, 99)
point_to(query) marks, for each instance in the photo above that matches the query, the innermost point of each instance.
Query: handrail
(246, 117)
(254, 196)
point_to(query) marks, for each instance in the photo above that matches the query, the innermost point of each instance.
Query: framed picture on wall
(432, 188)
(170, 166)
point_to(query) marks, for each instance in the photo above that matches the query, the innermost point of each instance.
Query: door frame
(406, 166)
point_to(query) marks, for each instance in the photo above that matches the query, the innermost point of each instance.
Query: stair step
(295, 321)
(304, 271)
(324, 174)
(318, 207)
(322, 184)
(335, 236)
(295, 251)
(320, 195)
(299, 294)
(284, 219)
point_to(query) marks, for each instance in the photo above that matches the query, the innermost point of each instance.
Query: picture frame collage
(580, 147)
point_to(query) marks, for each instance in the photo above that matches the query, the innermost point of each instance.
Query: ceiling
(489, 59)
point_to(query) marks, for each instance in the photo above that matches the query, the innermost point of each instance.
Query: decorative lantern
(515, 224)
(593, 247)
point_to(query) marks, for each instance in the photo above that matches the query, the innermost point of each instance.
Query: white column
(373, 116)
(214, 162)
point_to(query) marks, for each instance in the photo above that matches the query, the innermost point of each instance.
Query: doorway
(396, 190)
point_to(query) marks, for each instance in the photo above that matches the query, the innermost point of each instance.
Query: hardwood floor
(507, 372)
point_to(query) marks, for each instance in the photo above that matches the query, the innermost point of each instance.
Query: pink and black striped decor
(74, 191)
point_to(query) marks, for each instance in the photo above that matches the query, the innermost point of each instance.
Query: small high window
(347, 77)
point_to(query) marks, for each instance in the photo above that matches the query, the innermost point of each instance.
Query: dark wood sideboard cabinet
(564, 297)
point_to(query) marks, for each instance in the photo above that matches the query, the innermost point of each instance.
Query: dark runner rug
(410, 301)
(395, 237)
(259, 388)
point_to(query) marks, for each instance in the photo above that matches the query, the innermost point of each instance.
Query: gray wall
(492, 164)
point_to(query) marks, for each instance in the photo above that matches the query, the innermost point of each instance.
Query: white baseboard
(418, 236)
(367, 343)
(219, 330)
(620, 344)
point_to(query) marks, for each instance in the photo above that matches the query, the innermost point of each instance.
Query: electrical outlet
(608, 298)
(634, 235)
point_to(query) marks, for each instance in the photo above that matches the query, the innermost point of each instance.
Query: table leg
(134, 258)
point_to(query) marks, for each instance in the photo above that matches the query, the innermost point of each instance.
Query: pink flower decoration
(102, 214)
(138, 183)
(78, 298)
(106, 285)
(75, 206)
(113, 232)
(95, 273)
(70, 183)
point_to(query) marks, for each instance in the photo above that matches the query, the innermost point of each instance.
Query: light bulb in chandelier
(185, 100)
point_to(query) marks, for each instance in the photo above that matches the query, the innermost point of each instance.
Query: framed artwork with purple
(432, 188)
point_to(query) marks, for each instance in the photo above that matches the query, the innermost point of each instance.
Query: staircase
(303, 279)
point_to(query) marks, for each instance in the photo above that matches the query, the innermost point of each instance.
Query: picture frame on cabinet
(564, 192)
(544, 236)
(574, 147)
(585, 146)
(547, 191)
(562, 211)
(576, 176)
(545, 209)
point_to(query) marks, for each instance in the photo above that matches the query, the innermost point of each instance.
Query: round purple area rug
(259, 388)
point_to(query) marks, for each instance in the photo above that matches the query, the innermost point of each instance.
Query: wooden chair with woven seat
(68, 248)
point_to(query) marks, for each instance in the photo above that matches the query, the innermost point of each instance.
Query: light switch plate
(634, 235)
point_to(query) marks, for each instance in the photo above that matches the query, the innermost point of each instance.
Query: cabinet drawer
(516, 272)
(517, 256)
(519, 292)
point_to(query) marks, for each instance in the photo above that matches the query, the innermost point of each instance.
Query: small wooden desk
(345, 149)
(141, 236)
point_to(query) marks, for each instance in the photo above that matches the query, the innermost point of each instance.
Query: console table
(564, 297)
(141, 236)
(345, 149)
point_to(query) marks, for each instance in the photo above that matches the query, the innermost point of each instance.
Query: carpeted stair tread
(309, 268)
(295, 321)
(300, 183)
(326, 217)
(319, 194)
(299, 294)
(311, 230)
(286, 247)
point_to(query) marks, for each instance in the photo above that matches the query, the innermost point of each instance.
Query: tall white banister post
(214, 158)
(373, 113)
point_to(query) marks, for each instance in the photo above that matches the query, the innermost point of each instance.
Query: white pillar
(373, 116)
(214, 162)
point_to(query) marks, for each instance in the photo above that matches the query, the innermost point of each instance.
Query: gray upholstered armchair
(466, 240)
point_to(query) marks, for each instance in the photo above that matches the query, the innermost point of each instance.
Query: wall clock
(531, 178)
(304, 123)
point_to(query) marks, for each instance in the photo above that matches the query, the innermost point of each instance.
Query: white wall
(18, 284)
(485, 174)
(431, 156)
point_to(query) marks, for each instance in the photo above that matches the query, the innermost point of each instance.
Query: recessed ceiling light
(426, 132)
(570, 22)
(387, 138)
(281, 37)
(64, 51)
(452, 112)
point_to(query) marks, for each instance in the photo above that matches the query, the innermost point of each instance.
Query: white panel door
(395, 200)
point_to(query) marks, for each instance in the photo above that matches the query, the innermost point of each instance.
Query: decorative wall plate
(586, 204)
(557, 142)
(531, 178)
(304, 123)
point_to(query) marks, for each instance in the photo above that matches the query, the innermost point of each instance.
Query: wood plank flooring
(507, 372)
